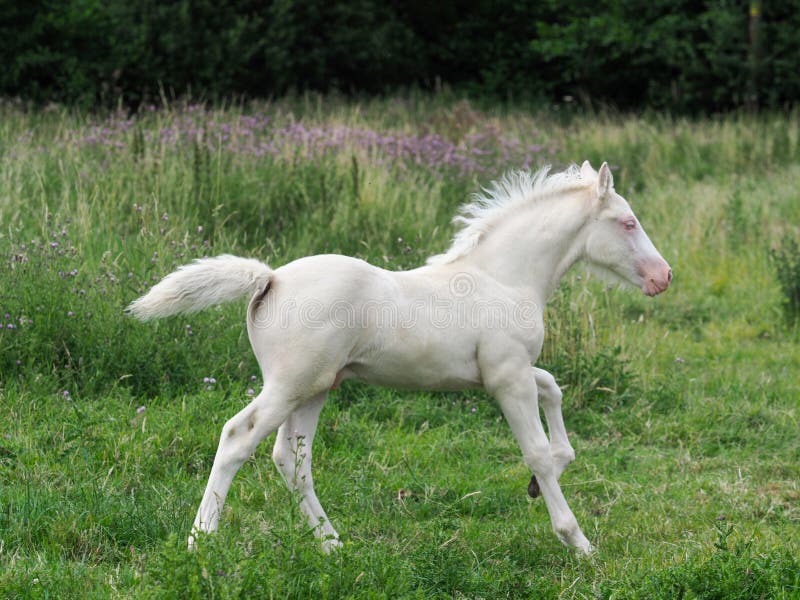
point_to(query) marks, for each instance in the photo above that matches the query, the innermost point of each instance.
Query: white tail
(203, 283)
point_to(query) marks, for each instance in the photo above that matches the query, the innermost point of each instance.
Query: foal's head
(615, 240)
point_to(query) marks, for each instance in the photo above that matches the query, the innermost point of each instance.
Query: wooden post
(753, 57)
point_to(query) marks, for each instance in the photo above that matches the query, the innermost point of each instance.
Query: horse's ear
(605, 180)
(587, 172)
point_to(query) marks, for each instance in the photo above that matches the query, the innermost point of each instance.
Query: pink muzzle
(656, 276)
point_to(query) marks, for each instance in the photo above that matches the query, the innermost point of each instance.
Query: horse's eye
(629, 225)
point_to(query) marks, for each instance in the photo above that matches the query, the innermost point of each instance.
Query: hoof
(585, 549)
(533, 488)
(574, 538)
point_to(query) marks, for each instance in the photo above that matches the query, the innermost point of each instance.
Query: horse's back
(342, 275)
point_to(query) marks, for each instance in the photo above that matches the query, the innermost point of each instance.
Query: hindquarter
(305, 321)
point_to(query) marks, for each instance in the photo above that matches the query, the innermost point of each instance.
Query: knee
(234, 443)
(563, 455)
(539, 459)
(282, 456)
(229, 430)
(549, 392)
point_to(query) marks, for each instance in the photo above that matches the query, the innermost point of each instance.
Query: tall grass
(683, 409)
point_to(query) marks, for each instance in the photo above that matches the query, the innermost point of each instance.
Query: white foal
(471, 317)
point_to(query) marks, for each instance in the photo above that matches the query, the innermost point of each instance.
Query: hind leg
(292, 456)
(240, 436)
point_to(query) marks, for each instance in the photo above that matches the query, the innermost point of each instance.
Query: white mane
(501, 199)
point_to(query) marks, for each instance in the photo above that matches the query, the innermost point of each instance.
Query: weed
(786, 262)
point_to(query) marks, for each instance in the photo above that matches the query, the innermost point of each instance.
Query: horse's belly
(415, 379)
(429, 367)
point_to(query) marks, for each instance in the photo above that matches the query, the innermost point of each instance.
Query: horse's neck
(535, 248)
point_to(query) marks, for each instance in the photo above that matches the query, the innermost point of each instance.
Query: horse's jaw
(652, 280)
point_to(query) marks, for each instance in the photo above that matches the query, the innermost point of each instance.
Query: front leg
(550, 395)
(510, 379)
(562, 451)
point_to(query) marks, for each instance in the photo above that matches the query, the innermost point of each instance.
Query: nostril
(669, 276)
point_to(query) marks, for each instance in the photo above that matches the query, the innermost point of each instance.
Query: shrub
(682, 56)
(786, 261)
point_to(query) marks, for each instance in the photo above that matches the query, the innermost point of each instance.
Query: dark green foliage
(86, 51)
(59, 50)
(682, 56)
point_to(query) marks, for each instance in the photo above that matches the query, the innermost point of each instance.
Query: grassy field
(684, 409)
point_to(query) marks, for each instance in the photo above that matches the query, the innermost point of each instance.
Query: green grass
(683, 409)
